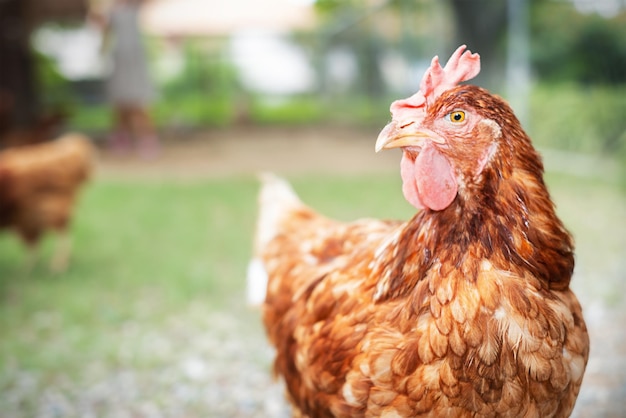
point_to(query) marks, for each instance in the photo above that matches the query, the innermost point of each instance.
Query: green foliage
(569, 46)
(583, 119)
(58, 91)
(93, 118)
(297, 110)
(194, 110)
(205, 72)
(204, 93)
(331, 6)
(599, 53)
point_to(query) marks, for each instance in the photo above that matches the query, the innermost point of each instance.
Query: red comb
(462, 66)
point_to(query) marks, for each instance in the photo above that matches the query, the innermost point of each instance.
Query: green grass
(594, 211)
(145, 251)
(141, 251)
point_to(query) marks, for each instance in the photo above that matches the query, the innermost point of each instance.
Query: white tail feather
(276, 198)
(256, 282)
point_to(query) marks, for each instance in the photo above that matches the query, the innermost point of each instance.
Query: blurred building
(196, 18)
(253, 35)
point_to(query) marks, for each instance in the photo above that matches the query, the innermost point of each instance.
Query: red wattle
(428, 181)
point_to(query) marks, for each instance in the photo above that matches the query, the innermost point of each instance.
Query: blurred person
(129, 87)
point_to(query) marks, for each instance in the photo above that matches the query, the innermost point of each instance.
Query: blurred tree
(372, 27)
(599, 52)
(570, 46)
(18, 99)
(19, 94)
(481, 25)
(588, 52)
(348, 23)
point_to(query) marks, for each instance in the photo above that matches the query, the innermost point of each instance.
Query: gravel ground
(202, 364)
(603, 393)
(218, 364)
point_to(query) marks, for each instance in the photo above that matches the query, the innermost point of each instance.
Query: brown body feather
(460, 312)
(39, 185)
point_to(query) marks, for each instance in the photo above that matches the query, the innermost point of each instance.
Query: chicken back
(463, 310)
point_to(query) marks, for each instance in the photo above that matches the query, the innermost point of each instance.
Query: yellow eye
(457, 116)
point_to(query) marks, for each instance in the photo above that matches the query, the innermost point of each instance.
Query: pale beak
(393, 137)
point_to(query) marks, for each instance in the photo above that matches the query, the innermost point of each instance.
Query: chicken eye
(457, 116)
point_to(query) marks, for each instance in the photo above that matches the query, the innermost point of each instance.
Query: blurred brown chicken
(38, 189)
(463, 310)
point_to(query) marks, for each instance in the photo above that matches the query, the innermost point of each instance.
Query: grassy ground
(141, 250)
(147, 251)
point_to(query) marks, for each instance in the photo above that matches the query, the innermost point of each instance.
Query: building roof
(219, 17)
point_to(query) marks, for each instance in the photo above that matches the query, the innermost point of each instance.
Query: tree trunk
(18, 95)
(481, 25)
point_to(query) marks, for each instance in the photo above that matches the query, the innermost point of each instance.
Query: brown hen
(38, 188)
(463, 310)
